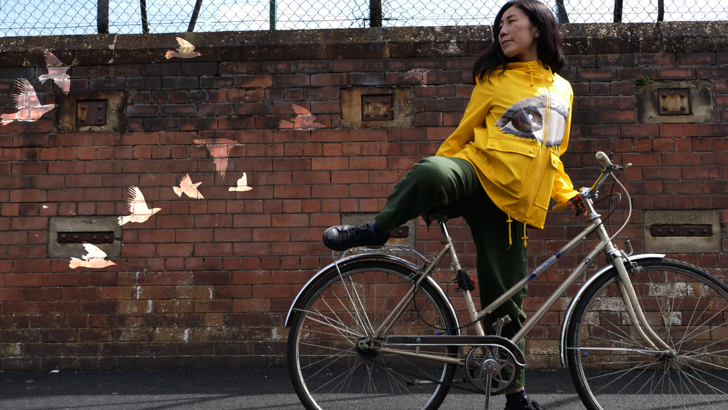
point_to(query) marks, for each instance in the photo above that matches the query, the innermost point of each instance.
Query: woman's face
(517, 36)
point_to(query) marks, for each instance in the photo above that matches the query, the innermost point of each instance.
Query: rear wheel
(614, 368)
(333, 366)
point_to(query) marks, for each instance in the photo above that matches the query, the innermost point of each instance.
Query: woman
(508, 144)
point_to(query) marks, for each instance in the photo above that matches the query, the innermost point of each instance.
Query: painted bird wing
(300, 110)
(26, 96)
(51, 59)
(93, 252)
(185, 47)
(185, 181)
(243, 182)
(137, 203)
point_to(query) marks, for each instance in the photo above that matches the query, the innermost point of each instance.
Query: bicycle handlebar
(608, 166)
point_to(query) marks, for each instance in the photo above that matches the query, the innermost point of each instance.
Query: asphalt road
(216, 389)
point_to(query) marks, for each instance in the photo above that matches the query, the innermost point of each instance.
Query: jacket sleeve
(563, 188)
(474, 116)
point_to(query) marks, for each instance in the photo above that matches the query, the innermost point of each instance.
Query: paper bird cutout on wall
(56, 73)
(185, 50)
(138, 208)
(242, 185)
(27, 103)
(219, 149)
(95, 258)
(188, 188)
(304, 119)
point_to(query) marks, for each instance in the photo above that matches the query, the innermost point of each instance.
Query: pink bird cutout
(304, 119)
(242, 185)
(188, 188)
(185, 50)
(56, 73)
(219, 149)
(138, 208)
(28, 106)
(95, 258)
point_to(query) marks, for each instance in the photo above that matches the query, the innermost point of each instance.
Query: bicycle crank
(492, 371)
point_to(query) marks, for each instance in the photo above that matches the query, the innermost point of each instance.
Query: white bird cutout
(95, 258)
(140, 212)
(56, 73)
(188, 188)
(27, 103)
(185, 50)
(242, 185)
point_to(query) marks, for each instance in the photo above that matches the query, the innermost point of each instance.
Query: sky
(56, 17)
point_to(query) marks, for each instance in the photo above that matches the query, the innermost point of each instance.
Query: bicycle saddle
(454, 210)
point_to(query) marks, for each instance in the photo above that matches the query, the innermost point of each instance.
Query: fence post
(145, 23)
(562, 16)
(272, 15)
(102, 16)
(660, 10)
(618, 11)
(195, 13)
(375, 13)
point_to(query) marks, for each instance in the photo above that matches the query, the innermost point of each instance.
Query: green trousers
(437, 181)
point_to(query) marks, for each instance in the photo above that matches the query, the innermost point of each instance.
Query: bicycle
(643, 332)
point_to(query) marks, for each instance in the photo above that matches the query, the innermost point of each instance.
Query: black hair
(548, 43)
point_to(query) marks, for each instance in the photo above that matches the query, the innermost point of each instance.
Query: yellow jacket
(514, 130)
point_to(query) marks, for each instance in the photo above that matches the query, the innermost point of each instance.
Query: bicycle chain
(417, 376)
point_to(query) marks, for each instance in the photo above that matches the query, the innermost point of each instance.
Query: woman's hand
(576, 203)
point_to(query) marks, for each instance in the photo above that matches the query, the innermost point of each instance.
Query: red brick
(618, 116)
(655, 59)
(428, 119)
(333, 79)
(212, 249)
(598, 102)
(684, 59)
(596, 74)
(679, 130)
(675, 73)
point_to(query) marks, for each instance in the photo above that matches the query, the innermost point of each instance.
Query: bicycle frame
(605, 245)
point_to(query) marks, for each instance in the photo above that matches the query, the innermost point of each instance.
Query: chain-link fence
(56, 17)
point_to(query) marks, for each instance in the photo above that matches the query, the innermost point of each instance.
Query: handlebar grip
(559, 207)
(603, 159)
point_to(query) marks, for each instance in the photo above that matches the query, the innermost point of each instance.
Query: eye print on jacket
(526, 119)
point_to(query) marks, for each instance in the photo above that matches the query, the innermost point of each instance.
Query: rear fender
(298, 301)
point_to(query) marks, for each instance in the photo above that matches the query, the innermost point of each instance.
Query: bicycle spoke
(346, 309)
(686, 308)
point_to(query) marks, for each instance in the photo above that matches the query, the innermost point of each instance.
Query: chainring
(496, 356)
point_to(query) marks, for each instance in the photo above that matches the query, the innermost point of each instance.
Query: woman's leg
(434, 181)
(500, 266)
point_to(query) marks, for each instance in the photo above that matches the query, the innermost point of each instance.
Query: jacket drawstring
(510, 241)
(510, 236)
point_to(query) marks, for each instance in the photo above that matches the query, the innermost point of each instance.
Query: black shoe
(532, 405)
(343, 237)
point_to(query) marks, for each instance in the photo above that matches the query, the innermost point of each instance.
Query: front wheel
(334, 366)
(614, 368)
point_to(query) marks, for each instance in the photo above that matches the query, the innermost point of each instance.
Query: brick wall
(207, 283)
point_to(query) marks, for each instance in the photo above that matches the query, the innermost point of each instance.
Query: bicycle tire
(325, 366)
(684, 305)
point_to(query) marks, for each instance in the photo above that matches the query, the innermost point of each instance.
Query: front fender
(359, 258)
(575, 301)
